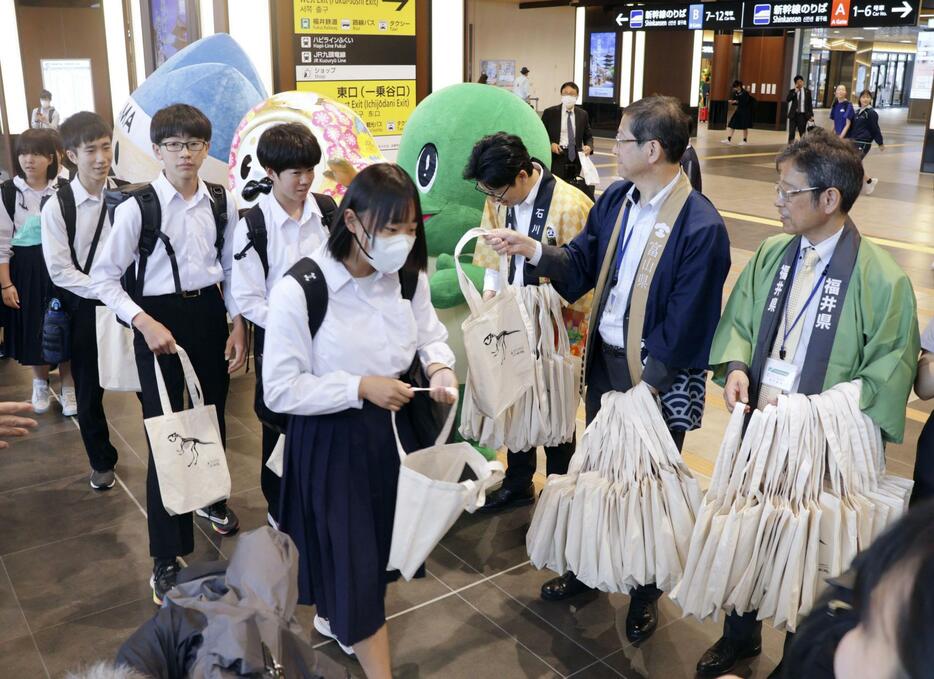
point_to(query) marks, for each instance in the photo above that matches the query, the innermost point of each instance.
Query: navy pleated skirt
(24, 325)
(339, 479)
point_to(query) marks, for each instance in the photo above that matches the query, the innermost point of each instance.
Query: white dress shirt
(642, 218)
(191, 230)
(55, 248)
(287, 242)
(27, 203)
(563, 141)
(523, 222)
(369, 329)
(825, 250)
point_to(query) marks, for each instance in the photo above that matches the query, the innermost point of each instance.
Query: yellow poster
(384, 105)
(355, 17)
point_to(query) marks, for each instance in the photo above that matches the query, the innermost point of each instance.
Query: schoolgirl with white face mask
(338, 374)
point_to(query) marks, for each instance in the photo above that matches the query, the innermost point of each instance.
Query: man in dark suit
(800, 108)
(568, 128)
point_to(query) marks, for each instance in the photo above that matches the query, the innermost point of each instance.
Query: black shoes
(222, 518)
(642, 619)
(164, 577)
(504, 498)
(722, 656)
(563, 587)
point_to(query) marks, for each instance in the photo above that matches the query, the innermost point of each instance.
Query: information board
(362, 54)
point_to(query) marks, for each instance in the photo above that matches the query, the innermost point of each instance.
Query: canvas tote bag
(116, 358)
(430, 496)
(187, 448)
(498, 340)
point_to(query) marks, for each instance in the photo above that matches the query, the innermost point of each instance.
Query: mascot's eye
(245, 166)
(427, 168)
(117, 153)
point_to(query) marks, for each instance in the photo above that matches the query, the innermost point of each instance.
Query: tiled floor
(74, 564)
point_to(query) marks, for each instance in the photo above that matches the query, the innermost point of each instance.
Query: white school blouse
(368, 330)
(28, 200)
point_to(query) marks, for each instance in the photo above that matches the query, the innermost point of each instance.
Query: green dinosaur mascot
(435, 146)
(434, 150)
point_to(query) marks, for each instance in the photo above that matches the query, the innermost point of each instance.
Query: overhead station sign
(752, 15)
(362, 54)
(672, 17)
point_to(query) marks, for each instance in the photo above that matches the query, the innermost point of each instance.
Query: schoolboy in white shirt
(75, 226)
(284, 226)
(176, 297)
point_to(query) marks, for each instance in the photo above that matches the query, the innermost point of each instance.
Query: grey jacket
(235, 623)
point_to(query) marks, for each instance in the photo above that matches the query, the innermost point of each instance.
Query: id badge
(779, 374)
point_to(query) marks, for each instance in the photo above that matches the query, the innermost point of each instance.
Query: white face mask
(568, 101)
(45, 103)
(389, 254)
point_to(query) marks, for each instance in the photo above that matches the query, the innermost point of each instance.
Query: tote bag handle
(191, 379)
(442, 437)
(474, 298)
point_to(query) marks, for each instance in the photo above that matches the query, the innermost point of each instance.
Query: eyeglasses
(491, 194)
(620, 140)
(176, 146)
(785, 194)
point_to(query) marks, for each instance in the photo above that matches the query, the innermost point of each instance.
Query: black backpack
(257, 237)
(8, 193)
(151, 212)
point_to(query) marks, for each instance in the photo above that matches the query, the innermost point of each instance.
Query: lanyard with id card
(779, 373)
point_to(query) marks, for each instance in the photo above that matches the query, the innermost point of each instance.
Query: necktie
(800, 290)
(572, 145)
(800, 101)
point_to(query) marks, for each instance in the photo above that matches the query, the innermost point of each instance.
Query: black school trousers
(199, 324)
(91, 418)
(269, 482)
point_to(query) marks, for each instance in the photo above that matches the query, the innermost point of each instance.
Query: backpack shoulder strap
(328, 208)
(256, 237)
(66, 201)
(408, 280)
(309, 275)
(219, 208)
(8, 191)
(151, 218)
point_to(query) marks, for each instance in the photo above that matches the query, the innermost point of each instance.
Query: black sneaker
(164, 576)
(222, 518)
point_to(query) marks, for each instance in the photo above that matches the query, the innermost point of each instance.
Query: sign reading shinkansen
(697, 16)
(776, 14)
(835, 13)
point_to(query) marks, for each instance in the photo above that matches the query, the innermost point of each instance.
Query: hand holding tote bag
(498, 340)
(187, 448)
(116, 359)
(430, 496)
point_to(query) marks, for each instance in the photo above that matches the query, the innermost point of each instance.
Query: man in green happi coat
(815, 306)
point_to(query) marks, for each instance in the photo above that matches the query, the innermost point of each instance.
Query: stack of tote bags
(523, 383)
(790, 503)
(622, 516)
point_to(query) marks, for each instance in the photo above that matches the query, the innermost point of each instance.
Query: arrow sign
(401, 3)
(904, 10)
(620, 19)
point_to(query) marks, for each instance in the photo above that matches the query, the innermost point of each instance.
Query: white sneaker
(725, 141)
(324, 629)
(870, 185)
(69, 402)
(744, 141)
(40, 396)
